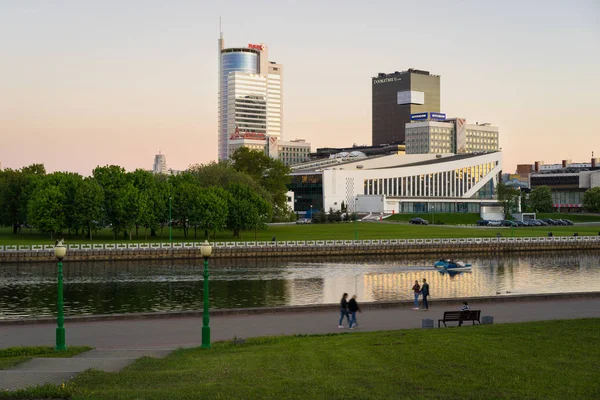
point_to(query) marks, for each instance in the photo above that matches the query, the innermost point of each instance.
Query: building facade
(400, 183)
(433, 133)
(395, 97)
(250, 95)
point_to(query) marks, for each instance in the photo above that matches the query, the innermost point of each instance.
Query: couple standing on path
(348, 309)
(422, 290)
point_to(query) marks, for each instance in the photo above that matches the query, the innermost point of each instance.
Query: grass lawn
(11, 356)
(334, 231)
(537, 360)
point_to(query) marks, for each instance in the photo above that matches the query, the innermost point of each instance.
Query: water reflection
(136, 286)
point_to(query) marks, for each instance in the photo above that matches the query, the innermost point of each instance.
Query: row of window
(453, 183)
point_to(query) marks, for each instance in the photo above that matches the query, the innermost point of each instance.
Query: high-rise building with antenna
(250, 97)
(160, 164)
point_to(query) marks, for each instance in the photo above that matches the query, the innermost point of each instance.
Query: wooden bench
(460, 317)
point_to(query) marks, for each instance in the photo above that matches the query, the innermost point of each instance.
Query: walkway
(158, 336)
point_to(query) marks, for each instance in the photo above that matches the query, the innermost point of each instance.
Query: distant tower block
(160, 164)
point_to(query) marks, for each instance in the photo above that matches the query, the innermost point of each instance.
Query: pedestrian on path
(416, 289)
(353, 308)
(344, 310)
(425, 293)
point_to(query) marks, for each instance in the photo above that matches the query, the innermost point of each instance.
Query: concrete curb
(297, 309)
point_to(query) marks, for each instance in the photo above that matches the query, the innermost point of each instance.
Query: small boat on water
(451, 265)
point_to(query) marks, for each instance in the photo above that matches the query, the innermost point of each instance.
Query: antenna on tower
(220, 30)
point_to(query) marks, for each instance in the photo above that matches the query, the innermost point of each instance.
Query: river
(142, 286)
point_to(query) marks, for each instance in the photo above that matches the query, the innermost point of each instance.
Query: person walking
(416, 289)
(425, 292)
(353, 308)
(344, 310)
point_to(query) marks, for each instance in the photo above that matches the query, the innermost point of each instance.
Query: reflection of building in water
(398, 286)
(305, 291)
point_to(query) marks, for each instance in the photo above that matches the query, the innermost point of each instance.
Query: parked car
(519, 223)
(304, 221)
(507, 222)
(539, 222)
(418, 221)
(483, 222)
(549, 221)
(567, 221)
(495, 223)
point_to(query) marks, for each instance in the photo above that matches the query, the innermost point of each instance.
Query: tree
(509, 197)
(541, 199)
(16, 188)
(185, 201)
(89, 212)
(46, 209)
(213, 209)
(247, 210)
(591, 200)
(112, 179)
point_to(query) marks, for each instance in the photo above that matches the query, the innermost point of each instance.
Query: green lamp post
(206, 251)
(170, 224)
(60, 251)
(356, 219)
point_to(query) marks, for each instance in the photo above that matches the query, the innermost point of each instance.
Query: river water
(29, 290)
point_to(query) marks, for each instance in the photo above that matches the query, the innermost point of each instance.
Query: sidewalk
(158, 336)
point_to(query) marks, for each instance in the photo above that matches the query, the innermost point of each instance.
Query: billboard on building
(418, 116)
(437, 116)
(411, 97)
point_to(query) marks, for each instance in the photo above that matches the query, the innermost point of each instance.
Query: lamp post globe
(206, 251)
(59, 252)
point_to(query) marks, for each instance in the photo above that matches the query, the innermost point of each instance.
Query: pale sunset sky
(86, 83)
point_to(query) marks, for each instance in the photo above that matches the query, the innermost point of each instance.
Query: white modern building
(289, 152)
(454, 135)
(160, 164)
(398, 183)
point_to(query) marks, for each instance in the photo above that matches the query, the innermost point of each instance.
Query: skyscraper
(250, 96)
(160, 164)
(396, 96)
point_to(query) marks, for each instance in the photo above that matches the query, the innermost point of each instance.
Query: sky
(86, 83)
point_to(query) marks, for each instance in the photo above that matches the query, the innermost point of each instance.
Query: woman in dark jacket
(344, 310)
(353, 308)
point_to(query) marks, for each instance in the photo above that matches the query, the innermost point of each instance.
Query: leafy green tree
(112, 179)
(247, 209)
(271, 174)
(16, 188)
(541, 199)
(509, 197)
(89, 200)
(591, 200)
(46, 209)
(212, 209)
(127, 206)
(185, 201)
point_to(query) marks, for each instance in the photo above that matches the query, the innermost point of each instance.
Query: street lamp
(205, 250)
(170, 224)
(60, 251)
(356, 219)
(311, 214)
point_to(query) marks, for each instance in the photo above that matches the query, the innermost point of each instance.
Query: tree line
(540, 199)
(241, 194)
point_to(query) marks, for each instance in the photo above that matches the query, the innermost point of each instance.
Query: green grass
(537, 360)
(443, 218)
(335, 231)
(11, 356)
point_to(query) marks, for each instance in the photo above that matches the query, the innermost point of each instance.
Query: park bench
(460, 317)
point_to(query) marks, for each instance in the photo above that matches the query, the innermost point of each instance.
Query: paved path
(158, 336)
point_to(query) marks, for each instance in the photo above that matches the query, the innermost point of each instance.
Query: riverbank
(300, 249)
